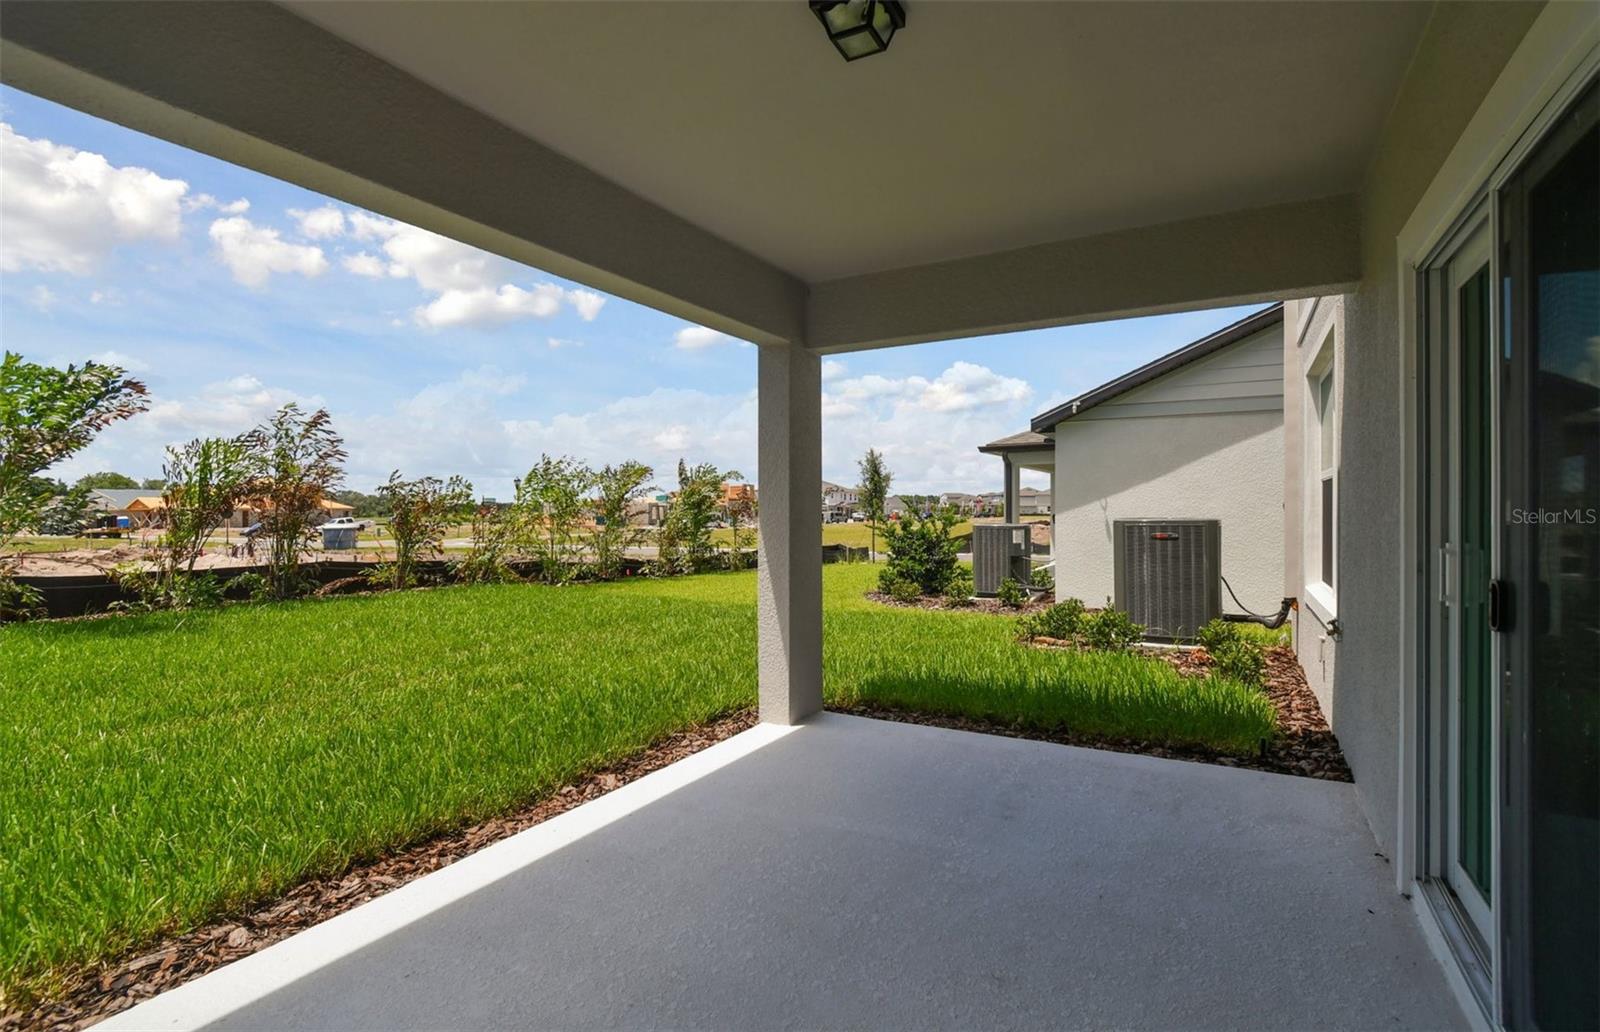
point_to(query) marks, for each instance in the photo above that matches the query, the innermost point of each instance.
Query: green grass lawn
(162, 769)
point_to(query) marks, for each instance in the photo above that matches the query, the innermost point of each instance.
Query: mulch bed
(976, 605)
(1305, 746)
(94, 994)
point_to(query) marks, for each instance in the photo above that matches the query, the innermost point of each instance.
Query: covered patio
(997, 169)
(859, 873)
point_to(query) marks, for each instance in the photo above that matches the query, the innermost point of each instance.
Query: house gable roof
(1047, 421)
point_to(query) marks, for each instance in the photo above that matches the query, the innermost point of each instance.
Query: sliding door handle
(1499, 606)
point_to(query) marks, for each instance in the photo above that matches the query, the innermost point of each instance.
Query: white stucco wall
(1313, 326)
(1224, 466)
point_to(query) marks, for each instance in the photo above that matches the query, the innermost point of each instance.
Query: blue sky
(229, 293)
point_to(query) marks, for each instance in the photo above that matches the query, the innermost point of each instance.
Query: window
(1326, 432)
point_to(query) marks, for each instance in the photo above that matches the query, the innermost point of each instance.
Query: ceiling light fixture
(860, 28)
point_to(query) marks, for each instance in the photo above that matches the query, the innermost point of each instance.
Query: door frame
(1556, 60)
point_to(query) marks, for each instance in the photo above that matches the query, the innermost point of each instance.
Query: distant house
(895, 506)
(957, 500)
(1198, 434)
(838, 502)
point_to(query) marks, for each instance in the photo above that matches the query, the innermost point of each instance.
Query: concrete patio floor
(858, 873)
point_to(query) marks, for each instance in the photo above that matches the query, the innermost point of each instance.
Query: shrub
(1234, 653)
(923, 551)
(1110, 629)
(960, 589)
(164, 589)
(419, 512)
(250, 586)
(488, 562)
(1043, 577)
(1011, 594)
(1063, 621)
(901, 589)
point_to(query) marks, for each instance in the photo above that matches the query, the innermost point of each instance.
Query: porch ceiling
(1054, 163)
(862, 874)
(979, 131)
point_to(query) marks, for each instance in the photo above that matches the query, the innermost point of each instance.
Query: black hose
(1272, 623)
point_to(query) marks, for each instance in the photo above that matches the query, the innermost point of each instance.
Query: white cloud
(487, 306)
(832, 369)
(64, 210)
(587, 303)
(253, 253)
(471, 287)
(319, 223)
(363, 264)
(42, 298)
(557, 342)
(694, 338)
(205, 200)
(112, 297)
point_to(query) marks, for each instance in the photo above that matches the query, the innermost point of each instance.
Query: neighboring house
(114, 501)
(839, 503)
(743, 493)
(1196, 434)
(958, 500)
(895, 506)
(1031, 501)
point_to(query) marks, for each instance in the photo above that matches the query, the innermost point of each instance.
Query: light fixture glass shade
(859, 28)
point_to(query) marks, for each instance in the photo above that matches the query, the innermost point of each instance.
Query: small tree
(207, 479)
(419, 512)
(153, 484)
(873, 493)
(616, 488)
(67, 512)
(493, 537)
(689, 520)
(107, 481)
(550, 502)
(741, 512)
(46, 414)
(299, 461)
(923, 551)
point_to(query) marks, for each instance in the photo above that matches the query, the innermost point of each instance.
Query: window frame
(1320, 465)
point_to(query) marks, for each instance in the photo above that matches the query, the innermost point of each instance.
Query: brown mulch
(976, 605)
(1305, 747)
(96, 993)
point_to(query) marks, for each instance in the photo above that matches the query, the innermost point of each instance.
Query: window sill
(1323, 603)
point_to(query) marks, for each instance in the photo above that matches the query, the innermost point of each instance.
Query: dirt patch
(976, 605)
(94, 994)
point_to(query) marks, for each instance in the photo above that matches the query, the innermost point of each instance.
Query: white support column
(789, 581)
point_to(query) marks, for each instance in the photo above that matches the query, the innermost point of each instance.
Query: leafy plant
(873, 493)
(1042, 577)
(901, 589)
(66, 513)
(740, 511)
(550, 501)
(686, 536)
(1062, 621)
(419, 512)
(615, 489)
(960, 590)
(46, 414)
(1111, 629)
(107, 481)
(923, 550)
(300, 461)
(1011, 594)
(1234, 654)
(159, 588)
(207, 479)
(493, 536)
(250, 586)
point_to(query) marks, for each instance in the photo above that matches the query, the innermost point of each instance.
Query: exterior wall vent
(1000, 550)
(1168, 574)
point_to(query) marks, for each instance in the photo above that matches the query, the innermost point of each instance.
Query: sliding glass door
(1550, 245)
(1511, 551)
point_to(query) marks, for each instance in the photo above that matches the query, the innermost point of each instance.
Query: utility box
(1168, 574)
(339, 539)
(1000, 550)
